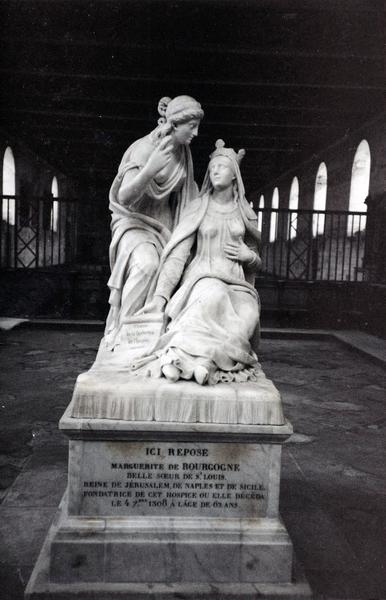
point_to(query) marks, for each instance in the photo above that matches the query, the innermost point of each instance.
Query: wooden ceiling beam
(289, 7)
(61, 97)
(98, 141)
(107, 151)
(100, 118)
(278, 52)
(189, 82)
(76, 135)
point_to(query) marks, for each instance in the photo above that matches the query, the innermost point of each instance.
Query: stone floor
(333, 492)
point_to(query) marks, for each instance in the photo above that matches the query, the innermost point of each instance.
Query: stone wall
(338, 158)
(28, 231)
(359, 257)
(324, 304)
(54, 294)
(34, 174)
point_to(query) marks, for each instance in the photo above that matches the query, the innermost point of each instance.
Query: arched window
(293, 205)
(273, 226)
(320, 197)
(9, 186)
(359, 189)
(260, 213)
(55, 205)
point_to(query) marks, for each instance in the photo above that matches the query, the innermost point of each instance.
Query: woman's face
(185, 132)
(221, 172)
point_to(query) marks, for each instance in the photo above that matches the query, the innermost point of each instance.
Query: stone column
(375, 249)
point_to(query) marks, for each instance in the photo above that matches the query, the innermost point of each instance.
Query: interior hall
(300, 85)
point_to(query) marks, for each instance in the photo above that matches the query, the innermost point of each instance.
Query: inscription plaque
(174, 479)
(137, 336)
(140, 333)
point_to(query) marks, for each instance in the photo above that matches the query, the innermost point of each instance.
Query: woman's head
(180, 110)
(224, 170)
(221, 172)
(181, 117)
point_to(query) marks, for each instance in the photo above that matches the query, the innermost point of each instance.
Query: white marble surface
(163, 558)
(153, 168)
(102, 394)
(108, 478)
(112, 550)
(156, 549)
(109, 569)
(137, 335)
(96, 428)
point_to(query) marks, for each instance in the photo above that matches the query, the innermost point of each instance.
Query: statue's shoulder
(193, 207)
(138, 152)
(248, 210)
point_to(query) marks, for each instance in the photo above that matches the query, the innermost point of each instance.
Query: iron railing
(313, 245)
(308, 245)
(37, 232)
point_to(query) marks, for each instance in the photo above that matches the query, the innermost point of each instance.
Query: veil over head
(248, 214)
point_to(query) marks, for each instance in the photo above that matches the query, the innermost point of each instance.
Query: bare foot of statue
(171, 372)
(201, 374)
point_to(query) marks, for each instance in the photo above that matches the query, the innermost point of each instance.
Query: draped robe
(146, 219)
(212, 304)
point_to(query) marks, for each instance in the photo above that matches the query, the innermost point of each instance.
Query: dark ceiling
(81, 79)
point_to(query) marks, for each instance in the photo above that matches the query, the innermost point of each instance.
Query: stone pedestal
(158, 509)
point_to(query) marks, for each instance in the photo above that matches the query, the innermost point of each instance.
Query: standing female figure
(205, 284)
(153, 185)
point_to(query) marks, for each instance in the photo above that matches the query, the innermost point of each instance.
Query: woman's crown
(228, 152)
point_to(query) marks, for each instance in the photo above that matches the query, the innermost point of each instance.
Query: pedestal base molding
(162, 510)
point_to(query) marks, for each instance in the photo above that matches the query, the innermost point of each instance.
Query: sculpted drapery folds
(205, 284)
(152, 188)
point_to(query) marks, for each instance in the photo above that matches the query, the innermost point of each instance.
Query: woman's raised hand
(156, 305)
(238, 251)
(160, 156)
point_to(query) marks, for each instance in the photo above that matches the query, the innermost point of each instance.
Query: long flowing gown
(215, 311)
(145, 220)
